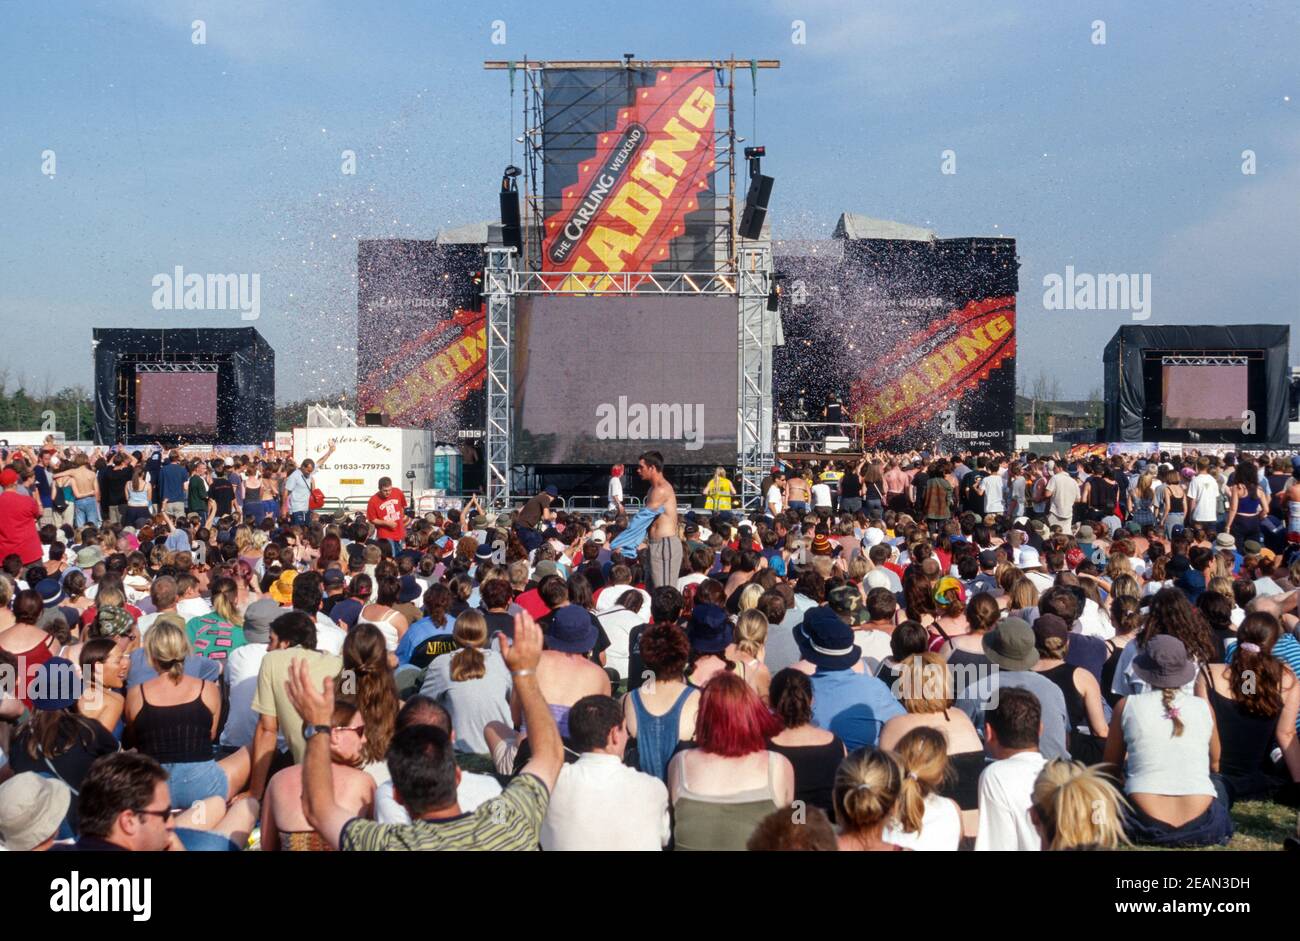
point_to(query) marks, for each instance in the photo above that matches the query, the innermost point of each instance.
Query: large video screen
(599, 380)
(1204, 396)
(176, 403)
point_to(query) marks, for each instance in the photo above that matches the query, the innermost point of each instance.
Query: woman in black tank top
(1086, 740)
(179, 734)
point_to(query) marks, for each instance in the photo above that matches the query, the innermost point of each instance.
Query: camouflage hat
(113, 621)
(847, 600)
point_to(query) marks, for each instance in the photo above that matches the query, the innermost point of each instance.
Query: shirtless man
(662, 541)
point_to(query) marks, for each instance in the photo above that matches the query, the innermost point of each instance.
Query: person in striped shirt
(423, 765)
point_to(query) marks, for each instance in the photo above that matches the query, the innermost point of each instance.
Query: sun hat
(876, 578)
(1164, 663)
(572, 630)
(32, 809)
(409, 590)
(1011, 645)
(1029, 558)
(1085, 533)
(282, 587)
(89, 556)
(708, 630)
(544, 568)
(1252, 547)
(257, 620)
(847, 600)
(50, 590)
(874, 536)
(826, 641)
(1225, 541)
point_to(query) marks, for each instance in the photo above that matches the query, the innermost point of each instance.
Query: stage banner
(916, 336)
(629, 161)
(421, 335)
(934, 370)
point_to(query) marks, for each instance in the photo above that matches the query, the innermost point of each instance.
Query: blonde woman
(923, 818)
(1076, 807)
(864, 796)
(7, 591)
(718, 492)
(473, 684)
(749, 648)
(926, 690)
(749, 596)
(1145, 505)
(173, 718)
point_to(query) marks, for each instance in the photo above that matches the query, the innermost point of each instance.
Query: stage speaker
(373, 419)
(511, 231)
(751, 220)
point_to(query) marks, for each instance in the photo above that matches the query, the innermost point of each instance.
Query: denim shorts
(201, 841)
(193, 781)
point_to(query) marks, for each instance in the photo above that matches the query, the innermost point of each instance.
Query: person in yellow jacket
(719, 491)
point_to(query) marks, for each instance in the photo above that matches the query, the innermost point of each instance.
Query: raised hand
(526, 649)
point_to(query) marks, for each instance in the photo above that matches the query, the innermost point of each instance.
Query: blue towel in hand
(627, 541)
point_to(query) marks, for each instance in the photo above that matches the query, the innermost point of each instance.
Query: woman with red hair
(616, 488)
(721, 789)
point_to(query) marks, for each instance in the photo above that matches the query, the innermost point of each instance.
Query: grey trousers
(665, 561)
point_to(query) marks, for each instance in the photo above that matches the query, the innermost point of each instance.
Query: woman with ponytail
(923, 818)
(1256, 698)
(367, 677)
(1166, 742)
(473, 684)
(1076, 807)
(865, 796)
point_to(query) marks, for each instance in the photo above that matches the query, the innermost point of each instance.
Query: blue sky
(1123, 157)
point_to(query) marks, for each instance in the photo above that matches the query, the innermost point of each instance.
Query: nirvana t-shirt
(222, 492)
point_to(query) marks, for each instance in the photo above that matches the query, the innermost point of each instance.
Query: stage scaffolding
(742, 268)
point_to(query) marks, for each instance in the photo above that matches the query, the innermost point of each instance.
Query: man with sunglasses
(125, 804)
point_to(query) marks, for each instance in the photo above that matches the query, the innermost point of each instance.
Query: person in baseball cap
(32, 811)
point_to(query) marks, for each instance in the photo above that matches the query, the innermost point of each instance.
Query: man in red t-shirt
(19, 516)
(386, 511)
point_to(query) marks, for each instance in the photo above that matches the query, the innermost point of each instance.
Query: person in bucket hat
(1012, 649)
(1164, 738)
(846, 700)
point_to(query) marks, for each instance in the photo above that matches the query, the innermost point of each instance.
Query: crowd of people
(896, 652)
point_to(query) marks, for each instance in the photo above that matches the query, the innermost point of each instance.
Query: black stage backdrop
(1133, 380)
(245, 381)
